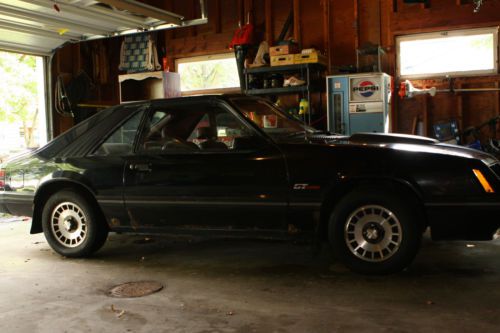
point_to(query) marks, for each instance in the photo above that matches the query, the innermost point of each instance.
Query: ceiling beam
(146, 10)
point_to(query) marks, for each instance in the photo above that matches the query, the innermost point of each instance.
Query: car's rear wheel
(374, 231)
(72, 226)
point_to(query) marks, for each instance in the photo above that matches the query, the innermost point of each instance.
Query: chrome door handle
(144, 167)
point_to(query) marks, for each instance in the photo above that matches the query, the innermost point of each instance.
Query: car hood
(403, 142)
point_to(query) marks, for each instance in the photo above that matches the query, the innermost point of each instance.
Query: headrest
(206, 133)
(164, 132)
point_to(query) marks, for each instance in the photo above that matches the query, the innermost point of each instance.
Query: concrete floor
(242, 286)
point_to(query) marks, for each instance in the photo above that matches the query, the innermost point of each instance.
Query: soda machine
(359, 103)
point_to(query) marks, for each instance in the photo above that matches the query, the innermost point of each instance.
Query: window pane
(230, 130)
(194, 128)
(121, 142)
(444, 53)
(216, 72)
(167, 130)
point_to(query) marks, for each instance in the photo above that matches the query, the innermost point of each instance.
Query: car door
(199, 166)
(104, 166)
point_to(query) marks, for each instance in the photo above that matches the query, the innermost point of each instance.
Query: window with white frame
(208, 73)
(457, 52)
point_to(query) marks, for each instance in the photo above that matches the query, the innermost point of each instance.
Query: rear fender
(52, 186)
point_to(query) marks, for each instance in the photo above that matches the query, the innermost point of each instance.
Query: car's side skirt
(201, 230)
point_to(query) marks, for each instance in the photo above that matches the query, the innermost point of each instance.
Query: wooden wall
(335, 27)
(469, 109)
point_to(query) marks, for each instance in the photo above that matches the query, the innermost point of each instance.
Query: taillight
(2, 177)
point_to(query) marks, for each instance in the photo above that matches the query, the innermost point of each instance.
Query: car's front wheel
(72, 225)
(375, 231)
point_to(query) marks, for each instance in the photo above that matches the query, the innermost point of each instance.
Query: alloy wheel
(68, 224)
(373, 233)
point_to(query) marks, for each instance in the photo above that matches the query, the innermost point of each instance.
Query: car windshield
(269, 118)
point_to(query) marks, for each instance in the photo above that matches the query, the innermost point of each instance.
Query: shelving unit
(311, 73)
(277, 91)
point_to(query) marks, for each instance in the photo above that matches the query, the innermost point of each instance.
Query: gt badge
(306, 187)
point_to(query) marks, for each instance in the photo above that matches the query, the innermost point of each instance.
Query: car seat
(172, 142)
(208, 136)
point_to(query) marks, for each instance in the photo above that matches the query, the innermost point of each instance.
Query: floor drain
(135, 289)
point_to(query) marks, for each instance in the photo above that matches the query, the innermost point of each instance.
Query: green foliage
(18, 88)
(484, 42)
(209, 75)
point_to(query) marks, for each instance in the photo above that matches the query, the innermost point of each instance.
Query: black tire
(375, 231)
(72, 226)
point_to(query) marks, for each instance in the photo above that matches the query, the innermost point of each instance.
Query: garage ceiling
(41, 26)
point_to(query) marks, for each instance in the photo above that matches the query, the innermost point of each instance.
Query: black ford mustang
(236, 165)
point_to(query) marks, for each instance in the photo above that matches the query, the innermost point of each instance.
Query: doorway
(23, 116)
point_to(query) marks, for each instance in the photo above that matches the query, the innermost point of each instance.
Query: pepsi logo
(366, 88)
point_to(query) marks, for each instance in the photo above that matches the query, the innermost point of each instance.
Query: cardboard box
(283, 50)
(310, 58)
(283, 60)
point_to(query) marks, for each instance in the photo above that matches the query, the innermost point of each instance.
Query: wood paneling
(444, 14)
(344, 33)
(336, 28)
(469, 109)
(369, 22)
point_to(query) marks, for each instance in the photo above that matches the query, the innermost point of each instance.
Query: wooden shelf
(148, 85)
(141, 76)
(305, 70)
(277, 91)
(284, 69)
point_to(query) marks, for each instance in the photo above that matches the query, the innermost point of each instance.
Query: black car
(234, 165)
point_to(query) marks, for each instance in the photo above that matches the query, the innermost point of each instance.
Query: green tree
(212, 74)
(18, 91)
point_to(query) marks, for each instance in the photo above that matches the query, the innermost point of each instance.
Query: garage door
(41, 26)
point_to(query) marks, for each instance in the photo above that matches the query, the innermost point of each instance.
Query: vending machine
(359, 103)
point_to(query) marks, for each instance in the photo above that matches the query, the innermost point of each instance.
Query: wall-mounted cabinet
(148, 85)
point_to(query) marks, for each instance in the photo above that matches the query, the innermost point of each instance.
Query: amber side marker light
(484, 183)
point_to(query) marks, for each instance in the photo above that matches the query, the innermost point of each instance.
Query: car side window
(166, 130)
(219, 130)
(231, 131)
(191, 129)
(121, 141)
